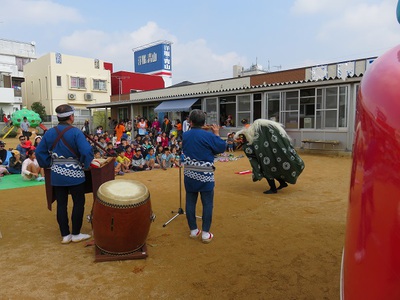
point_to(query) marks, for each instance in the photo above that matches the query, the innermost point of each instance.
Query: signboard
(346, 69)
(153, 59)
(319, 72)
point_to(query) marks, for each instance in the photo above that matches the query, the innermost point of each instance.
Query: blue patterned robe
(270, 152)
(71, 172)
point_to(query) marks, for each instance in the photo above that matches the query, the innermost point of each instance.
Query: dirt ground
(282, 246)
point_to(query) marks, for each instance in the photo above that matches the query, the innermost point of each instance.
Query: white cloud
(348, 29)
(193, 60)
(363, 27)
(37, 12)
(318, 6)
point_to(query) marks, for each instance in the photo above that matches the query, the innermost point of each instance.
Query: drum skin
(121, 216)
(371, 259)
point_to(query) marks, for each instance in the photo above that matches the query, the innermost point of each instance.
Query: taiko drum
(121, 216)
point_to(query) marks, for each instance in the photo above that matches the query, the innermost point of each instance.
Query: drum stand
(180, 210)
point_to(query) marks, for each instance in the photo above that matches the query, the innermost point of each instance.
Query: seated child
(176, 160)
(15, 163)
(123, 160)
(110, 150)
(117, 168)
(30, 169)
(159, 153)
(167, 159)
(128, 152)
(151, 159)
(138, 162)
(97, 154)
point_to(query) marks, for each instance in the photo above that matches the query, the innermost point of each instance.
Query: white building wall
(41, 82)
(12, 52)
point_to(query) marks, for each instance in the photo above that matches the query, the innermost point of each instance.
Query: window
(256, 107)
(21, 62)
(244, 107)
(227, 110)
(331, 110)
(307, 108)
(82, 112)
(58, 80)
(16, 85)
(99, 85)
(290, 109)
(211, 110)
(123, 113)
(78, 82)
(273, 101)
(343, 106)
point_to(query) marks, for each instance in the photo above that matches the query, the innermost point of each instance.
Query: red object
(371, 260)
(244, 172)
(44, 128)
(27, 144)
(123, 82)
(108, 66)
(121, 218)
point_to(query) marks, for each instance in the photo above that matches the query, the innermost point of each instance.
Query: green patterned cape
(270, 152)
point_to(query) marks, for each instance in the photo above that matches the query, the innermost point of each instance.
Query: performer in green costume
(271, 155)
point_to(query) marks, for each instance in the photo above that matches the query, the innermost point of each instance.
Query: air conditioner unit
(71, 96)
(88, 96)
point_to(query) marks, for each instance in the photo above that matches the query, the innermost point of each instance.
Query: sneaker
(121, 173)
(66, 239)
(40, 179)
(197, 235)
(80, 237)
(208, 239)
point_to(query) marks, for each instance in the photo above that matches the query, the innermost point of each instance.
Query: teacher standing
(199, 148)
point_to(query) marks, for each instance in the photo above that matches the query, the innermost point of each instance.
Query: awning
(176, 105)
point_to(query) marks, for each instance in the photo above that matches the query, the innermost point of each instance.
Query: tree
(40, 109)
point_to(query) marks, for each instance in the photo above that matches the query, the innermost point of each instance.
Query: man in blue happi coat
(66, 151)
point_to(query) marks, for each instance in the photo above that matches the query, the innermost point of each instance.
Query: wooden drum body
(121, 216)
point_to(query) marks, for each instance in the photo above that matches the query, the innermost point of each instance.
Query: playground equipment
(18, 117)
(7, 131)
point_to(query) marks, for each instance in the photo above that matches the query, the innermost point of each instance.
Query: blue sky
(208, 36)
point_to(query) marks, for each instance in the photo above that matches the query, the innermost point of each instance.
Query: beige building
(56, 78)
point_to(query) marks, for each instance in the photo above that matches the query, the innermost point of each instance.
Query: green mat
(15, 181)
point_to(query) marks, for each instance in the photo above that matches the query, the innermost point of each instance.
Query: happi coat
(67, 167)
(199, 148)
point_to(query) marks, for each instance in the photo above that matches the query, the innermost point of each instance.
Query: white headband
(66, 114)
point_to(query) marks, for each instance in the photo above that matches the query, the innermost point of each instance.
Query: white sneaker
(66, 239)
(196, 235)
(80, 237)
(207, 237)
